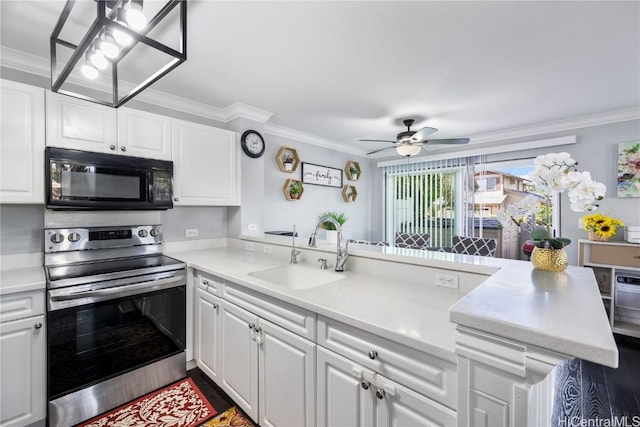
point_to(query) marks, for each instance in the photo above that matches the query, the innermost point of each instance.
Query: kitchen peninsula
(476, 353)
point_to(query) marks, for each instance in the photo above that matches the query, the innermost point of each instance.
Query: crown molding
(37, 65)
(308, 138)
(40, 66)
(559, 125)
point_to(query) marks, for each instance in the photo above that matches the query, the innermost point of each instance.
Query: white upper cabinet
(82, 125)
(143, 134)
(21, 143)
(206, 165)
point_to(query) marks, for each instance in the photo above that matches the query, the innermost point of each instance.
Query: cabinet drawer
(21, 305)
(626, 256)
(208, 283)
(421, 372)
(287, 316)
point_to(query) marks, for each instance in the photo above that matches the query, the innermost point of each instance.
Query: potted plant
(295, 190)
(331, 232)
(601, 227)
(554, 173)
(287, 161)
(354, 171)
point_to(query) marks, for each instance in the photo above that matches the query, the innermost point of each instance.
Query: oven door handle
(126, 290)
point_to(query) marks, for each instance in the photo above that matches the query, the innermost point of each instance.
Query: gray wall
(21, 229)
(596, 152)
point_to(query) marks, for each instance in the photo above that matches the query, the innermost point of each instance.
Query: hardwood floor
(595, 395)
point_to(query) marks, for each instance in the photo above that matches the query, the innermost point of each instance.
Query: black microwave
(83, 180)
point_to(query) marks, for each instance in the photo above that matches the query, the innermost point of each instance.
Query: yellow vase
(549, 259)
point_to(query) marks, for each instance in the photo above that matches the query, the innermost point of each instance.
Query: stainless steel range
(116, 318)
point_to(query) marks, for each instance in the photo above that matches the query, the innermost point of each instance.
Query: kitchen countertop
(22, 280)
(561, 312)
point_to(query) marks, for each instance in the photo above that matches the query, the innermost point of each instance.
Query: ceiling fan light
(408, 149)
(135, 17)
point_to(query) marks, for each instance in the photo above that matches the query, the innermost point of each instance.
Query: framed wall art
(629, 169)
(321, 175)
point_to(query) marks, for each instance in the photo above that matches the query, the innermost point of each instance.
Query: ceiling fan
(409, 142)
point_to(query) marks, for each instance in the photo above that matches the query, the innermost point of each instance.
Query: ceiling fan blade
(377, 140)
(452, 141)
(377, 151)
(423, 133)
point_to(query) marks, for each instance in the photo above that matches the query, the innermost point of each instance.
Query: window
(459, 197)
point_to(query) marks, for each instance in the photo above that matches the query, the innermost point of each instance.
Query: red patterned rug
(181, 404)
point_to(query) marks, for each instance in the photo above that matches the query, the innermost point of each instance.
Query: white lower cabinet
(351, 395)
(22, 369)
(207, 333)
(268, 371)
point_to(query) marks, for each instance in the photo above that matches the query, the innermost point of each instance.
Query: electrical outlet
(267, 249)
(447, 280)
(252, 227)
(248, 246)
(191, 232)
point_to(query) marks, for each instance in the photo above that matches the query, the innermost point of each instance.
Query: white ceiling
(348, 70)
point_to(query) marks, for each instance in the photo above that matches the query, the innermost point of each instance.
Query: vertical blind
(434, 197)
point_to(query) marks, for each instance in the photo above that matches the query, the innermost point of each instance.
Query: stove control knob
(155, 232)
(74, 237)
(57, 238)
(143, 233)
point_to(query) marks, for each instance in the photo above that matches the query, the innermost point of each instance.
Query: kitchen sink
(296, 276)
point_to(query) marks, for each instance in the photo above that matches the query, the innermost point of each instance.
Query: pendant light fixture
(121, 52)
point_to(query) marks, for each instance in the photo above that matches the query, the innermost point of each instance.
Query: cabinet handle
(38, 325)
(365, 385)
(373, 354)
(215, 306)
(205, 282)
(252, 325)
(175, 199)
(123, 148)
(112, 147)
(380, 393)
(258, 329)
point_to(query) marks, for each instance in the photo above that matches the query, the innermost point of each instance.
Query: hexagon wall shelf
(287, 193)
(347, 170)
(287, 153)
(349, 193)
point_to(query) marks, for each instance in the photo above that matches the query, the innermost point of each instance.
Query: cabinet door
(143, 134)
(207, 345)
(21, 143)
(342, 400)
(239, 357)
(206, 165)
(78, 124)
(22, 369)
(397, 406)
(286, 366)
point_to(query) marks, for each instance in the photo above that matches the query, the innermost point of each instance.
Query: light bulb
(89, 71)
(135, 17)
(108, 46)
(98, 60)
(122, 38)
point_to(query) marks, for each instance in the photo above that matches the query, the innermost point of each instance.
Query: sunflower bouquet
(601, 227)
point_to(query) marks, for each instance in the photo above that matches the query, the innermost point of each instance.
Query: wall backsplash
(21, 229)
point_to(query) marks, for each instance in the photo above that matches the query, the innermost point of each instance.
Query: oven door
(92, 342)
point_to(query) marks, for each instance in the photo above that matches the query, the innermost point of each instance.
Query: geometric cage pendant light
(108, 51)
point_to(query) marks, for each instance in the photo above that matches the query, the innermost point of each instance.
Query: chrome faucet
(294, 252)
(341, 252)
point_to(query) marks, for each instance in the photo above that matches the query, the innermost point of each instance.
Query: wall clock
(252, 143)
